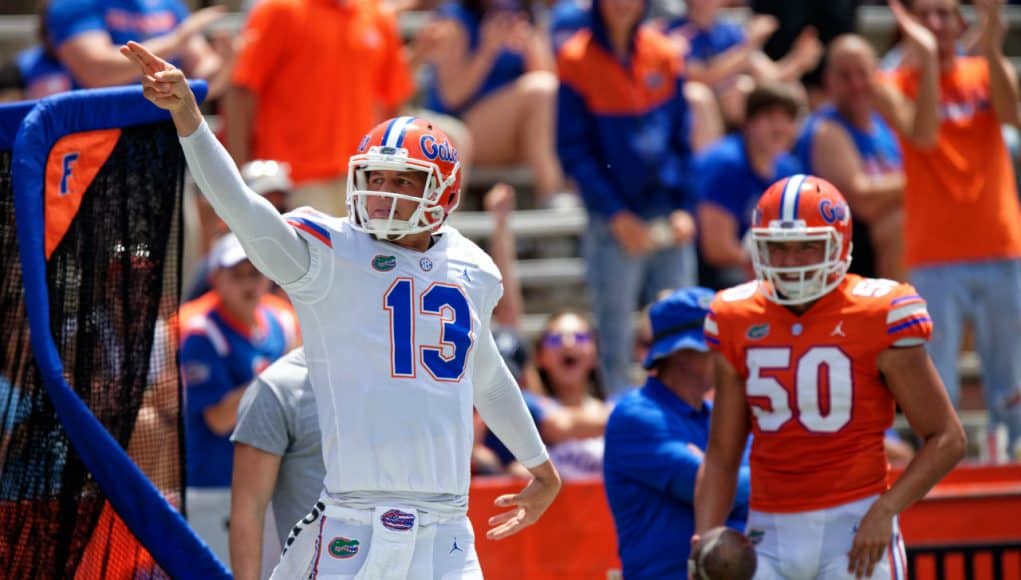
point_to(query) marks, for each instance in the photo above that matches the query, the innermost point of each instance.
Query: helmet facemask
(791, 285)
(428, 214)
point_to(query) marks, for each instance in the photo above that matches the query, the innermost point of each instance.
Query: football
(723, 554)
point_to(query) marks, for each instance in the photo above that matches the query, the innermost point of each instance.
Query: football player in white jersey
(395, 309)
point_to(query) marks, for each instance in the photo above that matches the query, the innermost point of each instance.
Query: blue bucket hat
(677, 323)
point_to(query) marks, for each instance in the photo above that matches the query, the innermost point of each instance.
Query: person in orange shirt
(812, 361)
(312, 77)
(962, 216)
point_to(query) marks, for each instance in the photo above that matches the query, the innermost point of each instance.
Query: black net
(113, 283)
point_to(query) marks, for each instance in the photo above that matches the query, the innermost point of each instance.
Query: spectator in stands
(622, 134)
(490, 67)
(228, 339)
(556, 423)
(569, 16)
(731, 175)
(827, 20)
(728, 57)
(160, 413)
(895, 55)
(849, 144)
(86, 36)
(277, 456)
(35, 72)
(962, 220)
(311, 78)
(568, 366)
(967, 45)
(655, 441)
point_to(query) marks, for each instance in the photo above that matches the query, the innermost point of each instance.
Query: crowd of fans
(664, 126)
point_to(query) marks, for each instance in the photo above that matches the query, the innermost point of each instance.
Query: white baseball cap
(226, 253)
(266, 176)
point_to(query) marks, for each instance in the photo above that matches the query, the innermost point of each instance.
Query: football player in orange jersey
(811, 361)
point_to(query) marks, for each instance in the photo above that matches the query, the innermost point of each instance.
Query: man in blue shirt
(85, 36)
(655, 441)
(849, 144)
(731, 175)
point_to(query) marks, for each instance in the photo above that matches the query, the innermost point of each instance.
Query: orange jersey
(321, 70)
(960, 201)
(817, 402)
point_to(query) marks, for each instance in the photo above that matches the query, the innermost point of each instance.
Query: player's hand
(695, 539)
(632, 233)
(915, 33)
(870, 541)
(162, 83)
(527, 505)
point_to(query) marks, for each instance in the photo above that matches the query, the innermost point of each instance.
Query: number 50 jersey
(818, 403)
(390, 339)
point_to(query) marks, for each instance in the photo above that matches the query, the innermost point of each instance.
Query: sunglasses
(557, 339)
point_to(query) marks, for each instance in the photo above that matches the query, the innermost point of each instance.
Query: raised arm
(499, 203)
(918, 121)
(1003, 86)
(270, 243)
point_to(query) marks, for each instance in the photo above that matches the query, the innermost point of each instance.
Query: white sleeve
(269, 241)
(499, 401)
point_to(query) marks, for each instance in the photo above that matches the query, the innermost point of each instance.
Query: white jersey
(389, 340)
(397, 342)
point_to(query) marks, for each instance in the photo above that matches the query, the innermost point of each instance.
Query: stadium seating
(550, 267)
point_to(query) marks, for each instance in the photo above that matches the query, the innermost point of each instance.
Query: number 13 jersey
(391, 336)
(818, 404)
